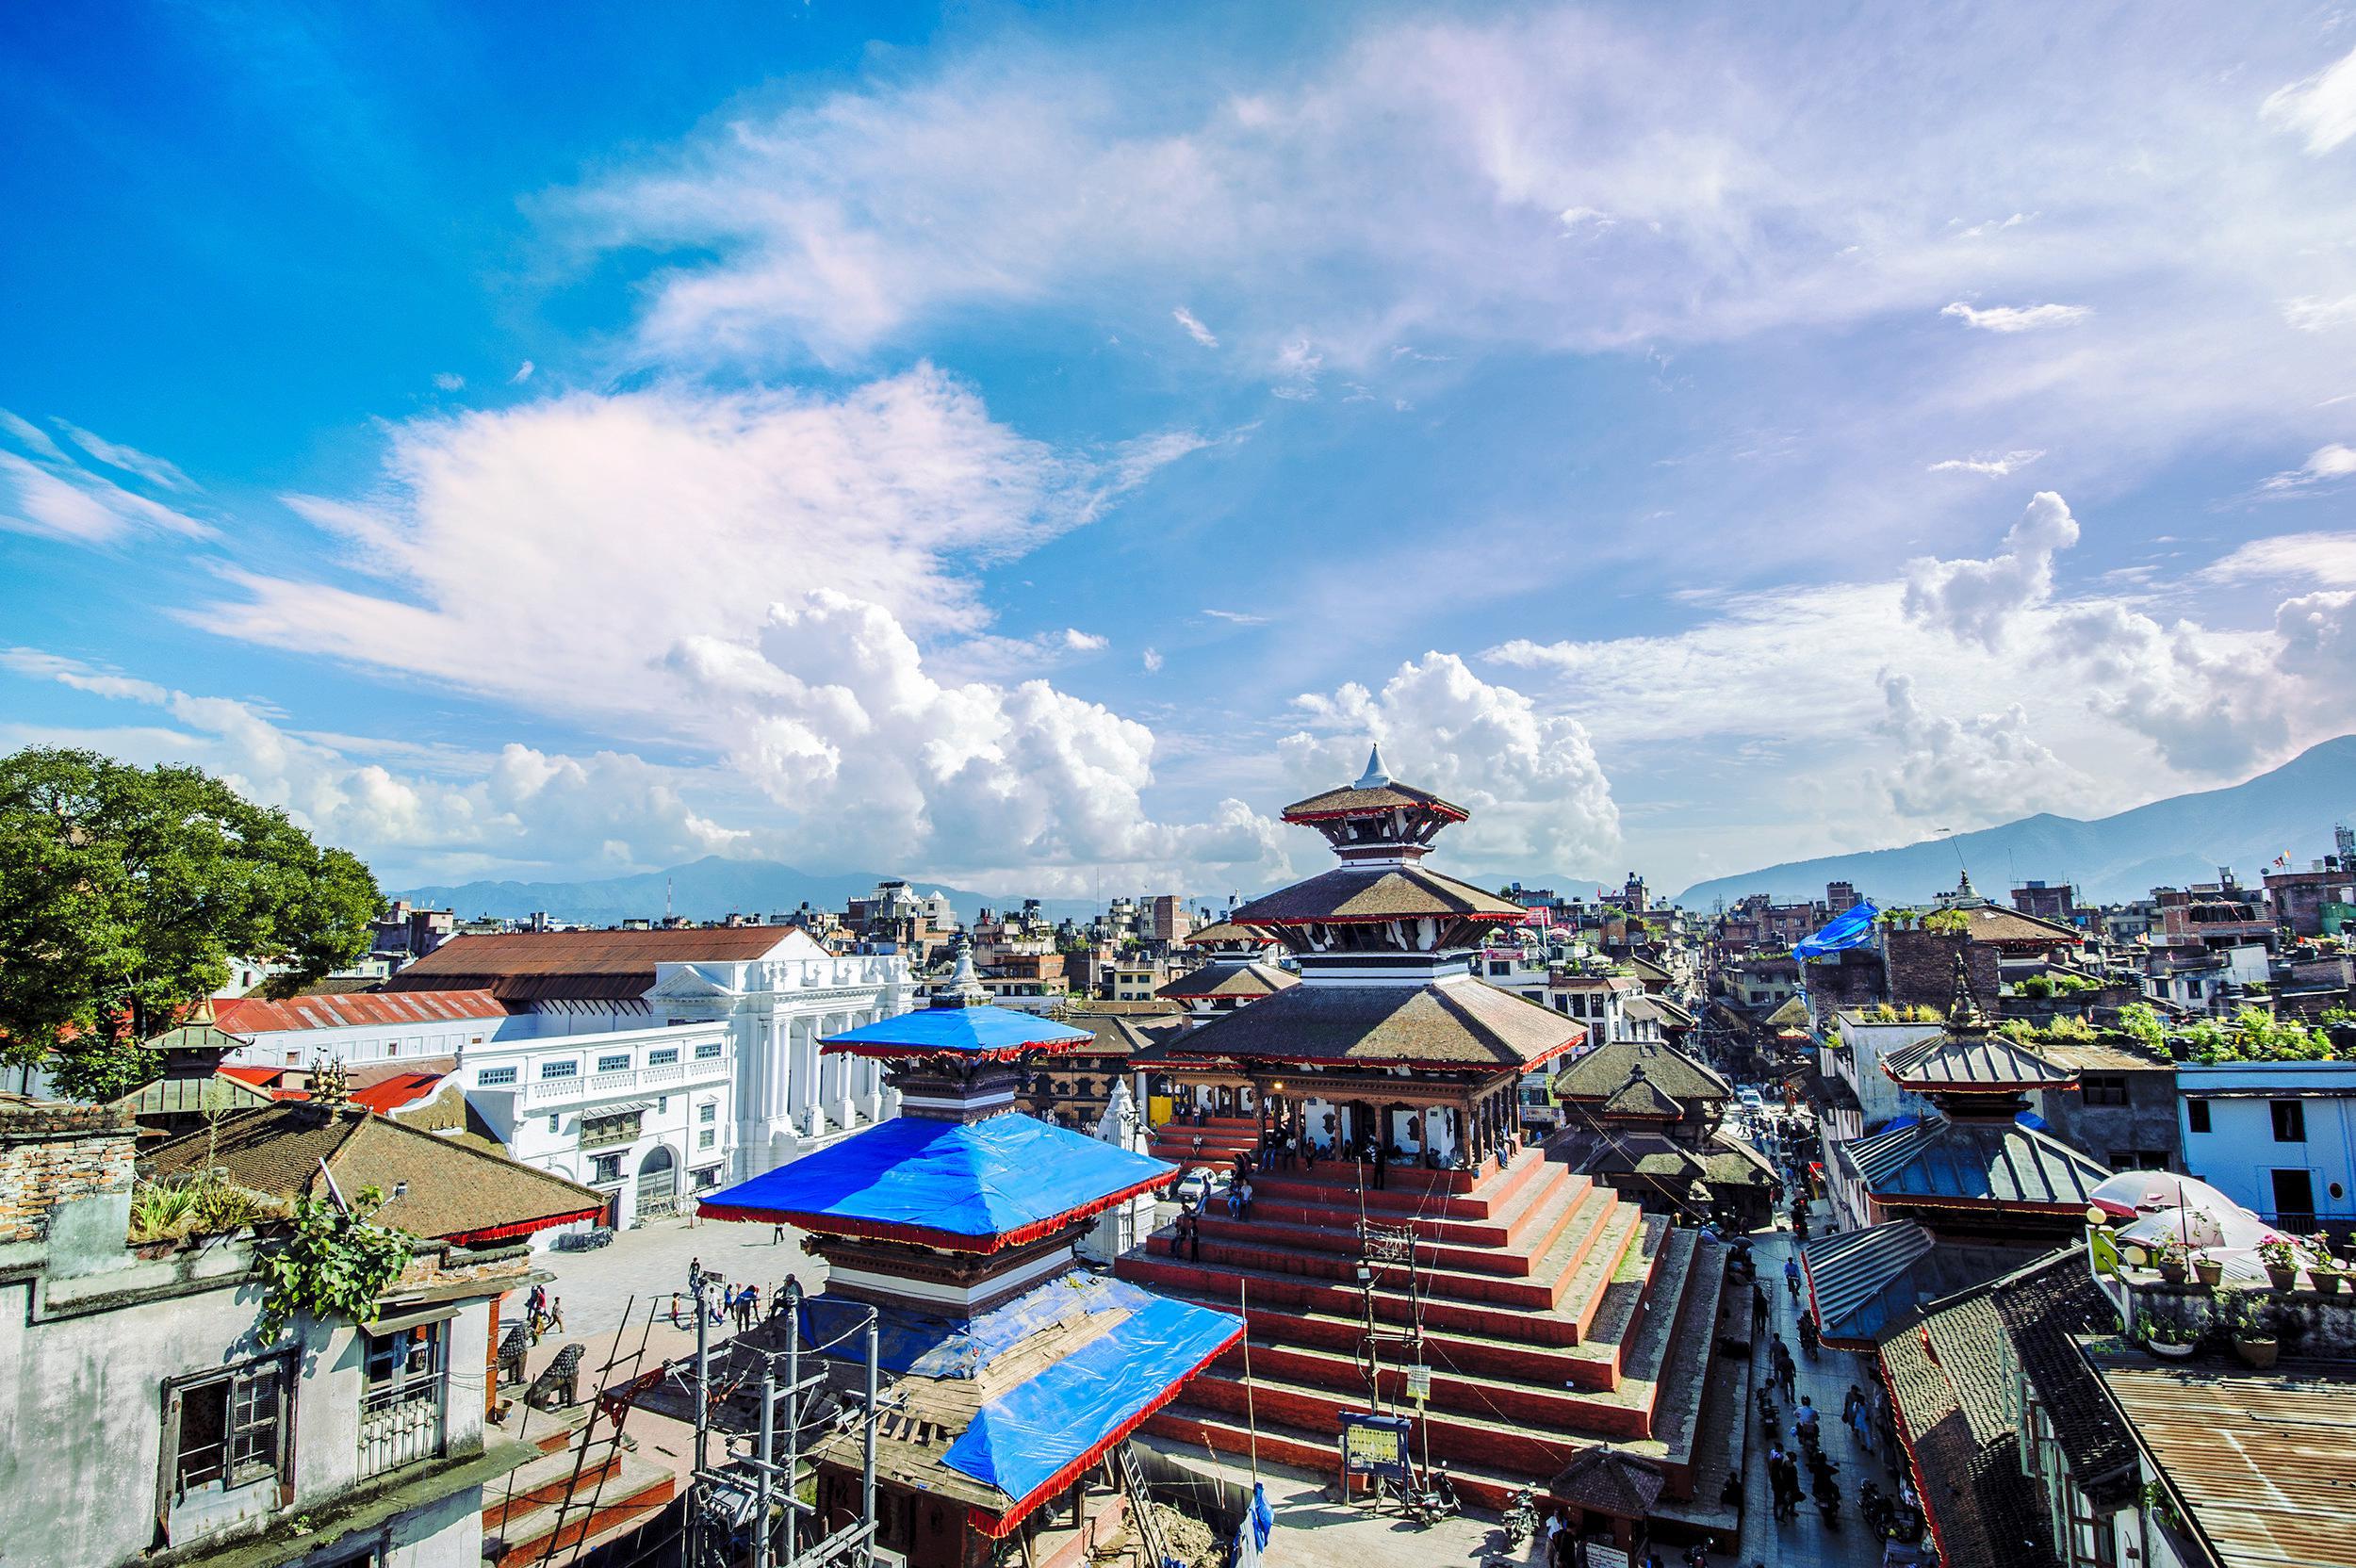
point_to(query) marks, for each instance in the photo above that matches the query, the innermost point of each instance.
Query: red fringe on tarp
(996, 1526)
(523, 1227)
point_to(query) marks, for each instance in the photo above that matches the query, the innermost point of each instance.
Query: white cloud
(1235, 617)
(556, 551)
(2208, 700)
(833, 713)
(2009, 318)
(523, 374)
(62, 500)
(2322, 108)
(1978, 599)
(2318, 634)
(1575, 218)
(1298, 367)
(1084, 641)
(1539, 799)
(2318, 557)
(157, 471)
(2314, 314)
(1995, 466)
(1998, 225)
(32, 437)
(518, 811)
(1152, 659)
(2324, 465)
(449, 381)
(1973, 771)
(1195, 329)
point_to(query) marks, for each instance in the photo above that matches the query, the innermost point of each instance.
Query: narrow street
(1805, 1542)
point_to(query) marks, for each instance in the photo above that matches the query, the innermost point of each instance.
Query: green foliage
(100, 1076)
(202, 1206)
(2337, 1015)
(2256, 1035)
(2142, 1021)
(335, 1265)
(2056, 984)
(125, 891)
(1947, 922)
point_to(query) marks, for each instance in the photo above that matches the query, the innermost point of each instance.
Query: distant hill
(2168, 842)
(708, 888)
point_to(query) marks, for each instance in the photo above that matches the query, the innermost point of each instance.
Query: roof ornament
(1963, 1012)
(963, 988)
(1376, 775)
(331, 1088)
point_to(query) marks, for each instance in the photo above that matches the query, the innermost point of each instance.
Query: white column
(839, 1088)
(871, 1090)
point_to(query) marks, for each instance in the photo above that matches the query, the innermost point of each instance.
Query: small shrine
(1011, 1372)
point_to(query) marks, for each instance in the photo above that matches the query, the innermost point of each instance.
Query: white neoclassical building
(774, 993)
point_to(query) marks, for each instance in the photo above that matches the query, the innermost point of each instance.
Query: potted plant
(2252, 1334)
(2208, 1268)
(2165, 1336)
(2172, 1261)
(2326, 1270)
(2281, 1260)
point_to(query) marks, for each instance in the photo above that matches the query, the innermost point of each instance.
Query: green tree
(125, 893)
(2142, 1021)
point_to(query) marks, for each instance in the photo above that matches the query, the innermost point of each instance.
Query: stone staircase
(1555, 1315)
(521, 1511)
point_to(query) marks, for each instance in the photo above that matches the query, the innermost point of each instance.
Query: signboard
(1419, 1383)
(1374, 1445)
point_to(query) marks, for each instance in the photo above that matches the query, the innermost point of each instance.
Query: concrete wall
(85, 1349)
(2149, 1122)
(2239, 1152)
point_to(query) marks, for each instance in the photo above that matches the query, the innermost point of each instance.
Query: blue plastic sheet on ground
(932, 1345)
(961, 1030)
(980, 1179)
(1852, 927)
(1018, 1441)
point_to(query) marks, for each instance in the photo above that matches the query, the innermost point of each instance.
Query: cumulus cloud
(2321, 109)
(2319, 636)
(2008, 318)
(1195, 329)
(1152, 659)
(1975, 769)
(1084, 641)
(518, 811)
(556, 551)
(1994, 465)
(836, 718)
(2204, 698)
(450, 380)
(1978, 599)
(1540, 800)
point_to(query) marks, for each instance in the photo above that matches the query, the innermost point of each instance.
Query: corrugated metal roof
(2266, 1461)
(1850, 1271)
(250, 1015)
(1974, 1060)
(1997, 1163)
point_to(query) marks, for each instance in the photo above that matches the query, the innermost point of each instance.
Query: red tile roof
(522, 966)
(252, 1015)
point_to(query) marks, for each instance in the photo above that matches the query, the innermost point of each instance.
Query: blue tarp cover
(1000, 1178)
(1022, 1439)
(965, 1031)
(1852, 927)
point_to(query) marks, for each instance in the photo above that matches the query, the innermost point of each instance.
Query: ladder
(619, 1383)
(1140, 1507)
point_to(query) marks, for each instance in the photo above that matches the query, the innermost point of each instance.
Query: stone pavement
(651, 1262)
(1805, 1542)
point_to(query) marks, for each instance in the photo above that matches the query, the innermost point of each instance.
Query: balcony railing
(400, 1426)
(670, 1078)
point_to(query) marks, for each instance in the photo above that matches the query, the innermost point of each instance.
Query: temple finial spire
(1376, 775)
(963, 988)
(1964, 1011)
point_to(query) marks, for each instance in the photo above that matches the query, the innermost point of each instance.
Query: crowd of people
(720, 1301)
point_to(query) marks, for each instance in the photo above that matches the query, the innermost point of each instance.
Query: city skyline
(991, 447)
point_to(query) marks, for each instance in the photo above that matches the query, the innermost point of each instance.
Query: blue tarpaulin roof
(1025, 1441)
(1852, 927)
(978, 1031)
(931, 1344)
(1000, 1182)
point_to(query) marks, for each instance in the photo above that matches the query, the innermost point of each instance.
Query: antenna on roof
(667, 901)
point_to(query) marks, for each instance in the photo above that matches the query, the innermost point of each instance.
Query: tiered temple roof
(1015, 1370)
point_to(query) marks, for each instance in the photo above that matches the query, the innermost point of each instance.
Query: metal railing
(402, 1424)
(670, 1078)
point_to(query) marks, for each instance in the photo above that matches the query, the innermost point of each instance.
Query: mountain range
(710, 889)
(2170, 842)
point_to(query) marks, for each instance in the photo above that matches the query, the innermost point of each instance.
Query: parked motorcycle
(1521, 1518)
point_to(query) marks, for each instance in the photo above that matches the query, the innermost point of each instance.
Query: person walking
(695, 1277)
(556, 1315)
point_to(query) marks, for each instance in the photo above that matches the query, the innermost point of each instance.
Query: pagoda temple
(1548, 1313)
(1235, 972)
(1012, 1372)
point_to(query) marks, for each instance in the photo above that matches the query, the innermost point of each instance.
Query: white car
(1198, 1186)
(1752, 1102)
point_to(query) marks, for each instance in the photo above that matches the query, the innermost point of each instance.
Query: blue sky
(1026, 448)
